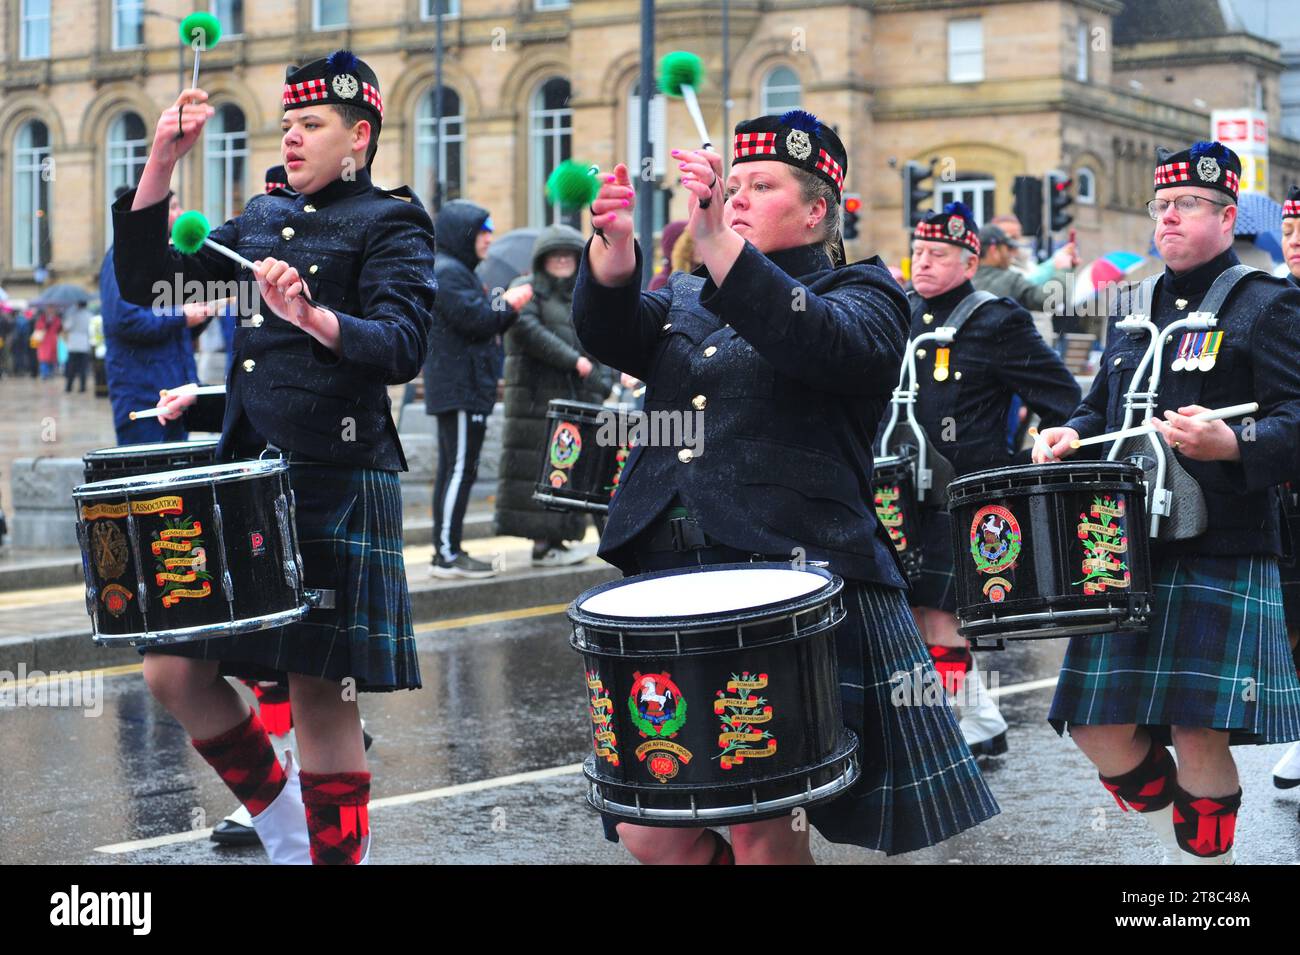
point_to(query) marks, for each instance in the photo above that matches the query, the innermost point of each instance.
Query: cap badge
(344, 85)
(956, 227)
(798, 144)
(1208, 169)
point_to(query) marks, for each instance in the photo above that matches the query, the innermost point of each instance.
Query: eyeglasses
(1186, 205)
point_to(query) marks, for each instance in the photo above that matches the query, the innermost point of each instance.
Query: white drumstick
(1041, 443)
(1217, 414)
(693, 107)
(193, 389)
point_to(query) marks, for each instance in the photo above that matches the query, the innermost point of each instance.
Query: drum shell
(589, 478)
(893, 487)
(1052, 506)
(135, 459)
(250, 547)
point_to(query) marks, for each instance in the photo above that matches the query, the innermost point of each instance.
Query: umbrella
(508, 258)
(1257, 214)
(1107, 270)
(62, 295)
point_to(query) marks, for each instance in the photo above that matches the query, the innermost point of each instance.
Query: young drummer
(308, 380)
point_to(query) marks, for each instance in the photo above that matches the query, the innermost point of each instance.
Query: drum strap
(1223, 286)
(968, 307)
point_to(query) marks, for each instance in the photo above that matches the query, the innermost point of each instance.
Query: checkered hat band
(275, 185)
(938, 232)
(314, 91)
(755, 144)
(1173, 173)
(1230, 179)
(829, 166)
(1291, 208)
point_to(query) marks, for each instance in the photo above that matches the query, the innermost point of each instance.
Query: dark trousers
(77, 367)
(460, 439)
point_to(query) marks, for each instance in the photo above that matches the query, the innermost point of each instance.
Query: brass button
(286, 233)
(927, 318)
(309, 208)
(698, 402)
(249, 364)
(257, 321)
(710, 351)
(920, 353)
(313, 269)
(957, 376)
(668, 326)
(685, 455)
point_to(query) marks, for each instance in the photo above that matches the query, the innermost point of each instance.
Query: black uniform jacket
(366, 254)
(1258, 360)
(997, 354)
(790, 364)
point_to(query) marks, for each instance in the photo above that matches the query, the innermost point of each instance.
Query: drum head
(703, 592)
(186, 477)
(147, 450)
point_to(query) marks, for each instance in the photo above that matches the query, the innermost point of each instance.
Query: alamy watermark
(73, 688)
(654, 429)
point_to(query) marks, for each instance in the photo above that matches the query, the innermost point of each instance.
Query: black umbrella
(62, 295)
(508, 258)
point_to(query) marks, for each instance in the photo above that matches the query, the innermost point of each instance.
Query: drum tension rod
(321, 599)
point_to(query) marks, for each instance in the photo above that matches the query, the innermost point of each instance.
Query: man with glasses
(1213, 668)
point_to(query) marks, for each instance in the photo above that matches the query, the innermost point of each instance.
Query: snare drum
(713, 694)
(1053, 550)
(581, 467)
(893, 486)
(129, 460)
(190, 554)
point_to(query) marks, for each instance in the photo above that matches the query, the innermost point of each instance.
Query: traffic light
(916, 204)
(852, 204)
(1059, 198)
(1028, 206)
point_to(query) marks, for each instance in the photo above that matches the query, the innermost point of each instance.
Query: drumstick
(680, 74)
(1232, 411)
(1041, 443)
(147, 413)
(193, 389)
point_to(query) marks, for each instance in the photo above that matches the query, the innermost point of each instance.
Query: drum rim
(127, 450)
(1060, 467)
(834, 584)
(204, 631)
(226, 472)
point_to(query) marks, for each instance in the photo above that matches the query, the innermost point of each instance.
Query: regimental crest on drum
(108, 549)
(742, 716)
(995, 543)
(116, 597)
(1103, 531)
(656, 705)
(890, 514)
(603, 739)
(566, 446)
(180, 561)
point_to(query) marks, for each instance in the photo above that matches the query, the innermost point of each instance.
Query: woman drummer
(788, 361)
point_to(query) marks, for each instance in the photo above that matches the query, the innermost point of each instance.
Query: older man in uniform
(1214, 667)
(964, 392)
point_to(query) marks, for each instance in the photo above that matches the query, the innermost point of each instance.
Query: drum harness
(1186, 510)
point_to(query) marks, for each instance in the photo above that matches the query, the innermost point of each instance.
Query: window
(976, 193)
(781, 91)
(1259, 95)
(31, 227)
(965, 51)
(552, 4)
(35, 30)
(128, 24)
(128, 148)
(431, 8)
(658, 144)
(1081, 64)
(1085, 187)
(329, 14)
(231, 15)
(550, 133)
(225, 157)
(448, 162)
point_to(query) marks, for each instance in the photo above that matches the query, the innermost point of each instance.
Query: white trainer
(282, 826)
(1286, 774)
(981, 722)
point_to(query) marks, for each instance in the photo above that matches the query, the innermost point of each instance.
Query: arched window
(550, 133)
(225, 157)
(781, 91)
(439, 148)
(1085, 186)
(128, 148)
(31, 224)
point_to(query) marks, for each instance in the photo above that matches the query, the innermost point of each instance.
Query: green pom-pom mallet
(190, 233)
(572, 185)
(201, 31)
(680, 75)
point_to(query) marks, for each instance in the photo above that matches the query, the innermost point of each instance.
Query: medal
(1213, 341)
(1180, 362)
(941, 364)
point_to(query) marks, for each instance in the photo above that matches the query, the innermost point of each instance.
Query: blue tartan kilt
(1290, 572)
(1215, 655)
(936, 587)
(350, 534)
(920, 784)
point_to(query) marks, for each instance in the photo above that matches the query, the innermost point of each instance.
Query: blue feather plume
(341, 61)
(1205, 148)
(959, 209)
(799, 119)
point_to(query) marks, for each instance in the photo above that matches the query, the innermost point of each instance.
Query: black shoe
(991, 747)
(464, 566)
(366, 740)
(229, 833)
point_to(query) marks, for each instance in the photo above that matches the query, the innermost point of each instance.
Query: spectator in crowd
(667, 242)
(76, 328)
(544, 360)
(996, 275)
(45, 336)
(8, 325)
(24, 353)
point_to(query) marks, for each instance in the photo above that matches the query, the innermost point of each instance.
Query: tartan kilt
(350, 536)
(1215, 655)
(1290, 572)
(920, 784)
(936, 587)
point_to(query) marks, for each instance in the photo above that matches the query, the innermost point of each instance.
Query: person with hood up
(460, 376)
(544, 360)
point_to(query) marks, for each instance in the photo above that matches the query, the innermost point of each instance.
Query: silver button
(286, 233)
(313, 269)
(957, 376)
(710, 351)
(1118, 361)
(699, 401)
(309, 208)
(927, 318)
(920, 353)
(685, 455)
(257, 321)
(668, 326)
(249, 364)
